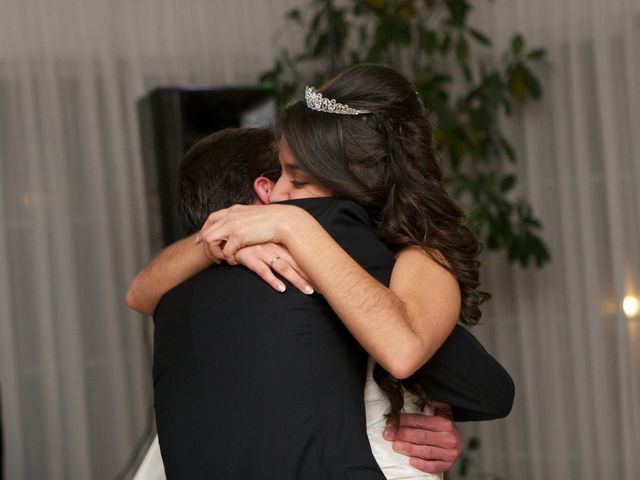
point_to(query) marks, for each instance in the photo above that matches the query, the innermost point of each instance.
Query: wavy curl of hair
(385, 161)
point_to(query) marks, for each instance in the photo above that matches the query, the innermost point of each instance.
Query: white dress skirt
(394, 465)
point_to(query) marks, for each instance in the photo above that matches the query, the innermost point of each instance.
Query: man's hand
(432, 443)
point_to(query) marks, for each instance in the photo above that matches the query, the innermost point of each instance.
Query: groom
(216, 174)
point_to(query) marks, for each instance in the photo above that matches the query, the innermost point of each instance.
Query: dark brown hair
(385, 161)
(218, 171)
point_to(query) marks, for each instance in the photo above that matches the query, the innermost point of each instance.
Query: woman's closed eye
(298, 183)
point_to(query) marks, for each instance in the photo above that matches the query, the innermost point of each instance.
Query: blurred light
(27, 200)
(32, 200)
(631, 306)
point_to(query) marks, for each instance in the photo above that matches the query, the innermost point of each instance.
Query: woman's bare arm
(172, 266)
(400, 327)
(184, 258)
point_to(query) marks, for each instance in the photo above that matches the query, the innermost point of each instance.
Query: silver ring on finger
(273, 260)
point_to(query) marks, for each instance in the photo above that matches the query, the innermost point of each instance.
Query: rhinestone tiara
(315, 101)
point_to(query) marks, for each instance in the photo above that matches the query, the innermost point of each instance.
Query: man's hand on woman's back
(432, 443)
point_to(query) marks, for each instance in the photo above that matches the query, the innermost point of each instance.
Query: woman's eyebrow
(291, 166)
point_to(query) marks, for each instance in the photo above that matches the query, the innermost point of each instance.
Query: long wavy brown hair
(385, 161)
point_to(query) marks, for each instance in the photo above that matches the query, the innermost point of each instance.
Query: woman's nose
(278, 194)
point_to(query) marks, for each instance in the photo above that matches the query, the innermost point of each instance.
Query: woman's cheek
(297, 193)
(279, 192)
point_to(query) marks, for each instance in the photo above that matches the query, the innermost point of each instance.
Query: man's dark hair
(218, 171)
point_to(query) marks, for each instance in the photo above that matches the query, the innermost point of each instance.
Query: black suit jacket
(250, 383)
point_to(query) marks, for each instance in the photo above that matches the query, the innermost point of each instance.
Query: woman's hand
(268, 258)
(227, 231)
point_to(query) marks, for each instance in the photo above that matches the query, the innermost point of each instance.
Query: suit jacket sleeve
(465, 376)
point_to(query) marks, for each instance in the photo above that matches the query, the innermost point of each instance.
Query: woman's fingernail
(308, 290)
(281, 288)
(386, 433)
(198, 239)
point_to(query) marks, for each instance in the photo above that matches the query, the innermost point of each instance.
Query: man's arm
(465, 376)
(432, 443)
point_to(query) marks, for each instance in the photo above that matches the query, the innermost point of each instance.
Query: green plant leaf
(507, 183)
(463, 469)
(541, 252)
(294, 15)
(462, 49)
(537, 54)
(468, 73)
(384, 33)
(403, 30)
(445, 46)
(458, 11)
(321, 45)
(341, 29)
(518, 84)
(473, 443)
(313, 28)
(429, 41)
(517, 45)
(532, 83)
(406, 8)
(375, 53)
(354, 57)
(377, 4)
(363, 34)
(508, 108)
(480, 37)
(268, 78)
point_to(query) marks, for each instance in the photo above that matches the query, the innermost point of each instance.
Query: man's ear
(263, 186)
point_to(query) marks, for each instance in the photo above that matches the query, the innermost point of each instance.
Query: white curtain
(74, 366)
(561, 331)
